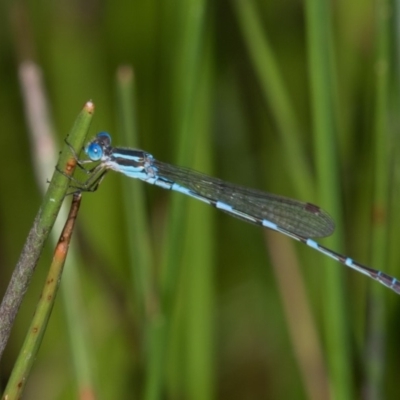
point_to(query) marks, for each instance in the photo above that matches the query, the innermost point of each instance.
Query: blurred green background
(172, 299)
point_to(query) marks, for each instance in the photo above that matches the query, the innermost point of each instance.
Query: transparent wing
(298, 217)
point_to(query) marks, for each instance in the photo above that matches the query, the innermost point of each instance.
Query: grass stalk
(33, 340)
(376, 337)
(277, 96)
(139, 242)
(41, 131)
(293, 291)
(42, 225)
(137, 226)
(323, 96)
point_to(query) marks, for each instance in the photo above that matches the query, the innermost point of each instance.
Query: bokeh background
(165, 298)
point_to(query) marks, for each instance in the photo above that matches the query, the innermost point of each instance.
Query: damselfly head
(96, 148)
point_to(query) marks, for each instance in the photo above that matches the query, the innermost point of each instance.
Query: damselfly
(293, 218)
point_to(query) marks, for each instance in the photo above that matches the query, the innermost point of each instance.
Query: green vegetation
(162, 296)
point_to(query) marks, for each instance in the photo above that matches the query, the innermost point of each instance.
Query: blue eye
(104, 137)
(94, 151)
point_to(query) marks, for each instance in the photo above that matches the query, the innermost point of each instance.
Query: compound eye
(94, 151)
(104, 138)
